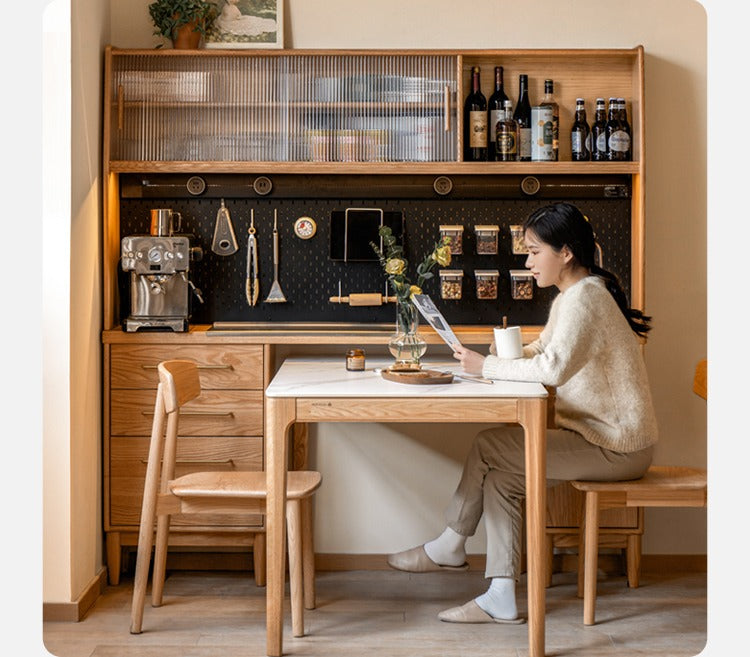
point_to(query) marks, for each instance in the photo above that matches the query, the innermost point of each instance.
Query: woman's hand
(471, 361)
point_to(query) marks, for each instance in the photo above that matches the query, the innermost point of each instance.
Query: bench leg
(591, 556)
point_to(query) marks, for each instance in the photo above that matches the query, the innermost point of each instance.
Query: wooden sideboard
(259, 114)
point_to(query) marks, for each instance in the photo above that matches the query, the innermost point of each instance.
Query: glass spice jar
(486, 280)
(355, 360)
(454, 236)
(451, 283)
(486, 239)
(521, 284)
(518, 246)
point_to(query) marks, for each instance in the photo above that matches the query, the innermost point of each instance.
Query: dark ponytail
(563, 224)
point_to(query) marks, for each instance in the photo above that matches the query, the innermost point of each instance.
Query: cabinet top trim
(508, 52)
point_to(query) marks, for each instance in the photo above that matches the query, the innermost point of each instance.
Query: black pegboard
(308, 277)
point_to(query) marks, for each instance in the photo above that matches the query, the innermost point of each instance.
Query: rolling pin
(363, 299)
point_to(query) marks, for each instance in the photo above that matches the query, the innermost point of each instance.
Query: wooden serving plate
(423, 377)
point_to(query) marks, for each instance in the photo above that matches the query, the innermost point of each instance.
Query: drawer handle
(447, 109)
(197, 462)
(197, 413)
(200, 367)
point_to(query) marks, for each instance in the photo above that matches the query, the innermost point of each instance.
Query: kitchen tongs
(252, 281)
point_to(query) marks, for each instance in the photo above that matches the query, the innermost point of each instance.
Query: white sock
(447, 549)
(500, 599)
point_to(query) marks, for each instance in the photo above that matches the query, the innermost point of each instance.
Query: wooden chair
(211, 492)
(661, 486)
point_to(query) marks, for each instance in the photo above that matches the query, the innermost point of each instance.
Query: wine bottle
(495, 106)
(599, 133)
(618, 141)
(475, 121)
(548, 100)
(580, 136)
(522, 117)
(507, 136)
(626, 127)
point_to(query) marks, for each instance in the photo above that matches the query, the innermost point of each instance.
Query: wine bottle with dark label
(548, 100)
(580, 136)
(599, 132)
(522, 117)
(475, 121)
(495, 106)
(507, 136)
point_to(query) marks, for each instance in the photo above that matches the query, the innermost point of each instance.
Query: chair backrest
(180, 383)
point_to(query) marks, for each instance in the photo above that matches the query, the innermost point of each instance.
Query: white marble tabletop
(320, 376)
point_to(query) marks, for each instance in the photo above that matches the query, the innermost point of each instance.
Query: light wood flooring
(390, 614)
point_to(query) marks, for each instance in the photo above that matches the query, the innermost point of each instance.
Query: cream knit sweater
(590, 354)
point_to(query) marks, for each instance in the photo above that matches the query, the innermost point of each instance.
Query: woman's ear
(566, 253)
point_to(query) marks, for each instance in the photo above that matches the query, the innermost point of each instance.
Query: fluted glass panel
(296, 108)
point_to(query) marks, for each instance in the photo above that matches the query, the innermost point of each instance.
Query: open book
(435, 318)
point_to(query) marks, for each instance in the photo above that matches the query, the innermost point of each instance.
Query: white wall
(386, 486)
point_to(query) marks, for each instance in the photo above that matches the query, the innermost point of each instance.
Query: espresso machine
(159, 285)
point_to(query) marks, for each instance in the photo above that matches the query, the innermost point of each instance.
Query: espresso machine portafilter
(159, 286)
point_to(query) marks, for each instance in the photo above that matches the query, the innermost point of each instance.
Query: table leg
(279, 416)
(532, 416)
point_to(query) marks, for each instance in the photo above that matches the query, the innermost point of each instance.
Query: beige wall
(374, 499)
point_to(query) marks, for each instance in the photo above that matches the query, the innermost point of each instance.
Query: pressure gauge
(305, 228)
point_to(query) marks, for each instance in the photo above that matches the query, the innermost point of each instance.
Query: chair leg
(633, 558)
(549, 547)
(259, 558)
(142, 564)
(581, 554)
(294, 541)
(160, 560)
(591, 556)
(308, 554)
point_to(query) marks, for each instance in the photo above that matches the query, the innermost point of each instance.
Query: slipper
(417, 561)
(471, 612)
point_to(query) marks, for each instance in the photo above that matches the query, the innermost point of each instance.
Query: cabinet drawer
(214, 413)
(129, 457)
(225, 366)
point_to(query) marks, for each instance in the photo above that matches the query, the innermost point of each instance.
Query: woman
(605, 423)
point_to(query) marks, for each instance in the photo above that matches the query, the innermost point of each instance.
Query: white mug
(508, 342)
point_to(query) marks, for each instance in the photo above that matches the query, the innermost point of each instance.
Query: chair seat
(242, 484)
(658, 477)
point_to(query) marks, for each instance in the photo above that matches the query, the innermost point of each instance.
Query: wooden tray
(417, 376)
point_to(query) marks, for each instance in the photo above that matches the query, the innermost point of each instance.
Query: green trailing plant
(169, 15)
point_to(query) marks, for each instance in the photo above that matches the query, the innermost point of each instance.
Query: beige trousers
(493, 483)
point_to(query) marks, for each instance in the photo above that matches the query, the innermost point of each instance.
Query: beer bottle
(475, 121)
(522, 117)
(548, 100)
(599, 133)
(618, 142)
(495, 107)
(507, 136)
(626, 127)
(580, 137)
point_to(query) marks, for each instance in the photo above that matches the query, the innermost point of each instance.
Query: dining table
(320, 389)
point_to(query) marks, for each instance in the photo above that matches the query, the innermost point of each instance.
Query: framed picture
(247, 24)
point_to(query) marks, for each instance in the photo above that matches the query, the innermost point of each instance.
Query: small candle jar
(451, 283)
(521, 284)
(355, 360)
(453, 235)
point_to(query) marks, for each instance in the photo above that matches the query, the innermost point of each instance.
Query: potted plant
(182, 21)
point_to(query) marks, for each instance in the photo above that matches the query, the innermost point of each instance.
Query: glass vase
(406, 345)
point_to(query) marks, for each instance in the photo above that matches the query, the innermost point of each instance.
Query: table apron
(399, 409)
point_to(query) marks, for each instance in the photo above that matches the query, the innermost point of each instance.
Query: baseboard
(72, 612)
(609, 563)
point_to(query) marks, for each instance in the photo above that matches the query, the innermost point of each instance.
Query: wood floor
(389, 614)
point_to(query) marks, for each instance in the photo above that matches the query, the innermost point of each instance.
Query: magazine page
(435, 318)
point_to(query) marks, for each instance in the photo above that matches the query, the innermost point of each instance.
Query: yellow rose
(415, 289)
(394, 266)
(442, 255)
